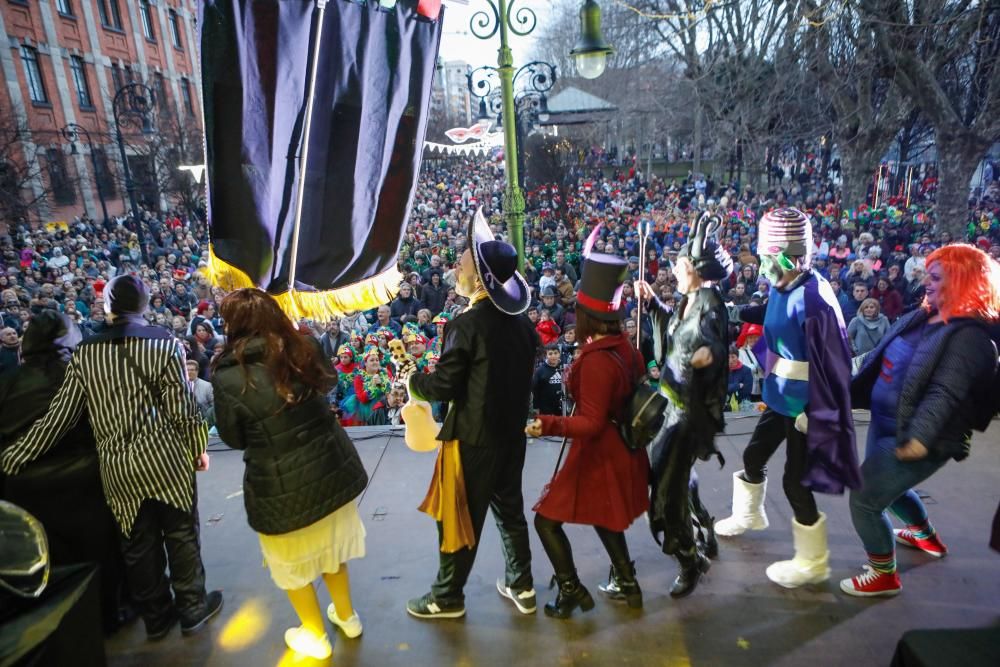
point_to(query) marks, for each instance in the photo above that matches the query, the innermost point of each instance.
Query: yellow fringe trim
(321, 306)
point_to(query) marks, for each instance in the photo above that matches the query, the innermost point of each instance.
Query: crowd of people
(885, 277)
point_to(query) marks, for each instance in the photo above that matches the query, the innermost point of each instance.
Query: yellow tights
(306, 604)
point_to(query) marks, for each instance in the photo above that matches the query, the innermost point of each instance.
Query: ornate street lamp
(71, 132)
(530, 104)
(503, 18)
(133, 106)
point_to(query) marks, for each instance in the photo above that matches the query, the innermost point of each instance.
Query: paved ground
(736, 617)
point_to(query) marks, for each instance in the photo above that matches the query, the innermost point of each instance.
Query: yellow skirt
(298, 558)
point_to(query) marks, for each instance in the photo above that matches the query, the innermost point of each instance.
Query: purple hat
(496, 264)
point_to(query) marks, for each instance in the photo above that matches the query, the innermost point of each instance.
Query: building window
(64, 7)
(147, 20)
(186, 92)
(175, 30)
(117, 78)
(78, 68)
(59, 180)
(129, 74)
(33, 73)
(105, 181)
(162, 101)
(111, 13)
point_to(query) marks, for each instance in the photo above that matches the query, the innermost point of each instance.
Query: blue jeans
(887, 483)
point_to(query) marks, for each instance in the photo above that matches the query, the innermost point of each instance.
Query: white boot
(811, 564)
(748, 508)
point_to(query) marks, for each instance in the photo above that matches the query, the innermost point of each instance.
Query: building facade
(61, 63)
(450, 93)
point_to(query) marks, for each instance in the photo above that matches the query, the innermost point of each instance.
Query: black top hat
(496, 264)
(600, 292)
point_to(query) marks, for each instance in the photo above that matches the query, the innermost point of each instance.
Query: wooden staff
(642, 277)
(909, 184)
(878, 186)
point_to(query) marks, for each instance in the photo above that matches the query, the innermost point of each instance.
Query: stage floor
(736, 617)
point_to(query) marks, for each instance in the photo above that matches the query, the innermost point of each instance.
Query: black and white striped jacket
(147, 445)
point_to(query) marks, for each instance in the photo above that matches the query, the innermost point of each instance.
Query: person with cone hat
(807, 393)
(603, 483)
(484, 375)
(692, 353)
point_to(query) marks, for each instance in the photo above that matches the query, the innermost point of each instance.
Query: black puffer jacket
(952, 367)
(300, 464)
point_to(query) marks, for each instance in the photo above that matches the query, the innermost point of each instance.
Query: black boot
(692, 567)
(706, 537)
(622, 585)
(572, 594)
(706, 522)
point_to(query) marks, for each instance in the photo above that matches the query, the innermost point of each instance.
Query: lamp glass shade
(590, 65)
(591, 51)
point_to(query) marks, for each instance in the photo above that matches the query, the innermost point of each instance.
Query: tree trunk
(858, 164)
(958, 158)
(696, 163)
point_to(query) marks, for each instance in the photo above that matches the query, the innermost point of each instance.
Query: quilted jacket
(300, 463)
(951, 366)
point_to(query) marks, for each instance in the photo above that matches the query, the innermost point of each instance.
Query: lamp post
(132, 106)
(535, 79)
(590, 54)
(71, 132)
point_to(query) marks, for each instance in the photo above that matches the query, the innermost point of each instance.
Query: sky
(458, 43)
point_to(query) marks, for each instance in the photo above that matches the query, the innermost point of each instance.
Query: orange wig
(971, 285)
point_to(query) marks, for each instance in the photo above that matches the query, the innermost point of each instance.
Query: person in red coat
(602, 483)
(888, 298)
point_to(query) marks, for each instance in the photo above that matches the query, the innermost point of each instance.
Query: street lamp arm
(521, 22)
(483, 81)
(132, 105)
(71, 132)
(540, 76)
(484, 25)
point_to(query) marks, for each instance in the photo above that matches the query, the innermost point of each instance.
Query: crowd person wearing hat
(747, 351)
(484, 373)
(924, 384)
(150, 441)
(303, 473)
(806, 390)
(690, 345)
(602, 483)
(62, 489)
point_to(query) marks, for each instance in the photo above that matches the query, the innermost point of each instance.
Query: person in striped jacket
(150, 441)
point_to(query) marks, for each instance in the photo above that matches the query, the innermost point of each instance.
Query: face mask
(774, 267)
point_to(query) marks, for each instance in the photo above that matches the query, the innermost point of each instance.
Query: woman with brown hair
(302, 471)
(603, 483)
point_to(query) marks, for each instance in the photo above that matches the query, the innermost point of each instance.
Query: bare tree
(155, 159)
(946, 55)
(864, 107)
(24, 193)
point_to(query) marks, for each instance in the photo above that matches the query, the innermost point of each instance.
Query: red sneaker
(872, 583)
(932, 546)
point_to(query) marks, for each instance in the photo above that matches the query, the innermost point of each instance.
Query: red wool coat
(601, 483)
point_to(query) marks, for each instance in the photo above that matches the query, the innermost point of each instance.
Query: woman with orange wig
(924, 384)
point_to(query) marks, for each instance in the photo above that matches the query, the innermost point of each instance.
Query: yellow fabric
(323, 306)
(446, 500)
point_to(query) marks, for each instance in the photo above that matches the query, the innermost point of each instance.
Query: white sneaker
(351, 627)
(524, 600)
(304, 642)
